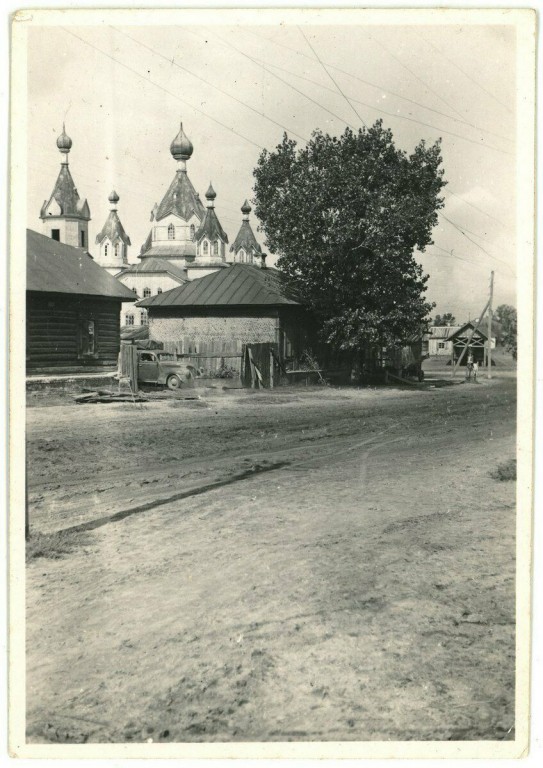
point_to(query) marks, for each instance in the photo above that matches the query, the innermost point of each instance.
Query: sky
(122, 91)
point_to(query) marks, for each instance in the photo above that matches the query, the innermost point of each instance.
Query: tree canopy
(446, 319)
(506, 315)
(345, 215)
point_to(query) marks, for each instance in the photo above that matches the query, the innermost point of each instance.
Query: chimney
(263, 260)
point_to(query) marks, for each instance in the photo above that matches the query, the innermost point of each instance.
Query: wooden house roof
(53, 267)
(238, 285)
(466, 329)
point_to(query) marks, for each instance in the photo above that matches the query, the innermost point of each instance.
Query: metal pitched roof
(211, 228)
(151, 265)
(180, 199)
(246, 239)
(238, 285)
(67, 197)
(113, 229)
(53, 267)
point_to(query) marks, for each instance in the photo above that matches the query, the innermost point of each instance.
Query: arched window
(146, 293)
(242, 256)
(192, 231)
(171, 232)
(159, 290)
(116, 249)
(206, 247)
(105, 249)
(216, 248)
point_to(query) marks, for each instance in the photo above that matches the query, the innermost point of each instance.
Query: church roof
(67, 197)
(211, 228)
(53, 267)
(246, 239)
(181, 199)
(238, 285)
(113, 229)
(156, 265)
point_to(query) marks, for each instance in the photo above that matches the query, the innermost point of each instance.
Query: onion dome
(246, 208)
(181, 148)
(210, 194)
(113, 198)
(64, 143)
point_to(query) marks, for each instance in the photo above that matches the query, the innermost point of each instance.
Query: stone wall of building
(244, 329)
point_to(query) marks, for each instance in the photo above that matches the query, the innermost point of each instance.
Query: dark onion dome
(181, 148)
(246, 208)
(210, 194)
(114, 198)
(64, 143)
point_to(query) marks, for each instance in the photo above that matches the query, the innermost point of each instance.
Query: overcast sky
(122, 91)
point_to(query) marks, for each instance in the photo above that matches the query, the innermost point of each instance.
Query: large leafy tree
(345, 215)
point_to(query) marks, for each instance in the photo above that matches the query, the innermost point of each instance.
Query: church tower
(245, 248)
(210, 237)
(179, 215)
(113, 240)
(65, 216)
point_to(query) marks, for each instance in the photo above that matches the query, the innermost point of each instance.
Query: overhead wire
(332, 79)
(380, 88)
(466, 74)
(160, 87)
(207, 82)
(490, 255)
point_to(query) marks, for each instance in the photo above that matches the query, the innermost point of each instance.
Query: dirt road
(361, 588)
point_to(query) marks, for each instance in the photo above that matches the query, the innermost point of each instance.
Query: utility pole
(489, 329)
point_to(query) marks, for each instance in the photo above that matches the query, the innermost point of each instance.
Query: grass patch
(507, 470)
(54, 545)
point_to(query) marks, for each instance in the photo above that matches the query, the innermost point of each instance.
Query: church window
(129, 319)
(171, 232)
(216, 248)
(206, 247)
(146, 293)
(192, 231)
(143, 317)
(55, 234)
(105, 249)
(159, 290)
(116, 250)
(242, 256)
(82, 238)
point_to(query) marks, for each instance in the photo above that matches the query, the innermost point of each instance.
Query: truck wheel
(173, 382)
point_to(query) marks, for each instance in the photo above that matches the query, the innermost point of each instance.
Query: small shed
(72, 309)
(242, 304)
(468, 335)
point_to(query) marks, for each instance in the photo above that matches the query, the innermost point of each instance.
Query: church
(186, 239)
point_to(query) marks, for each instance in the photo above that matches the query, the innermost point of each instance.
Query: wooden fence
(211, 355)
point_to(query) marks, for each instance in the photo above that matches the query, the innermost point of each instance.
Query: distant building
(150, 277)
(475, 340)
(72, 309)
(439, 344)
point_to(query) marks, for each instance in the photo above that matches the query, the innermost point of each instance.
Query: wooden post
(271, 369)
(489, 327)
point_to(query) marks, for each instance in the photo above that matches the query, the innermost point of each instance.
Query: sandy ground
(362, 588)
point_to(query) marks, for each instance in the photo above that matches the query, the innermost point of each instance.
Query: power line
(452, 223)
(466, 74)
(160, 87)
(207, 82)
(414, 74)
(331, 78)
(273, 74)
(466, 202)
(372, 85)
(382, 111)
